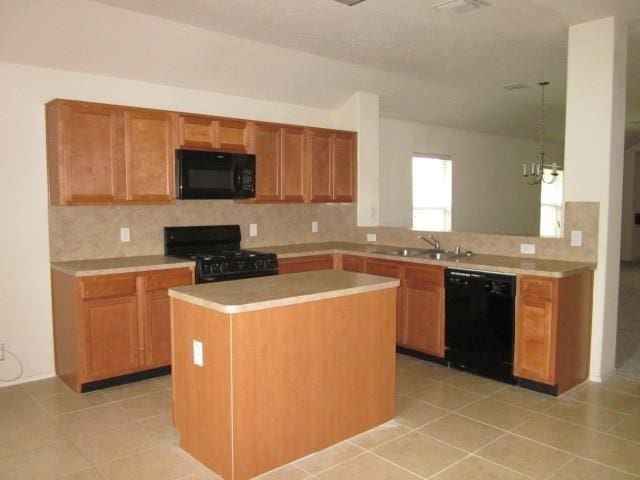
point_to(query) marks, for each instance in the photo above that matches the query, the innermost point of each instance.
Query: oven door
(214, 175)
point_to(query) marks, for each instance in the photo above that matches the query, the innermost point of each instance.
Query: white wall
(489, 195)
(25, 325)
(630, 245)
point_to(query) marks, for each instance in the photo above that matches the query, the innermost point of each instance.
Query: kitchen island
(289, 365)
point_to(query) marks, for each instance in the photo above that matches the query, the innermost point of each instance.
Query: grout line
(398, 466)
(573, 457)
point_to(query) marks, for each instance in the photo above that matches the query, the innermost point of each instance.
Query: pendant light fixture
(534, 173)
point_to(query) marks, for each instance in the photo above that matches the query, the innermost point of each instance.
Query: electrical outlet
(198, 354)
(125, 234)
(371, 237)
(314, 227)
(253, 229)
(576, 238)
(528, 248)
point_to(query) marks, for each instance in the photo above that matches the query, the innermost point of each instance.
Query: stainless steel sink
(403, 252)
(420, 253)
(439, 255)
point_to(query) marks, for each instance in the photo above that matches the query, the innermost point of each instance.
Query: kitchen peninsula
(270, 369)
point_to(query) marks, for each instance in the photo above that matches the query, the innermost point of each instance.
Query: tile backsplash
(77, 233)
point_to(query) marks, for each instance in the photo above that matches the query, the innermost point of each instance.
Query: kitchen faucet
(431, 240)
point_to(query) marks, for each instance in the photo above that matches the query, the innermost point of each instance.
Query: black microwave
(206, 174)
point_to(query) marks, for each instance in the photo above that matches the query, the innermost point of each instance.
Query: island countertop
(280, 290)
(481, 262)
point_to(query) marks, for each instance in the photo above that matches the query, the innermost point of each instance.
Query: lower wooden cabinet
(353, 263)
(111, 325)
(305, 264)
(553, 330)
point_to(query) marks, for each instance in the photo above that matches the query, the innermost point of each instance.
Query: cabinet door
(234, 134)
(110, 333)
(320, 159)
(156, 313)
(305, 264)
(353, 263)
(267, 148)
(85, 150)
(197, 132)
(534, 353)
(424, 303)
(292, 164)
(149, 155)
(344, 159)
(387, 268)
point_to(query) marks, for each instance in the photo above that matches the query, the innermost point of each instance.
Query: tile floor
(449, 425)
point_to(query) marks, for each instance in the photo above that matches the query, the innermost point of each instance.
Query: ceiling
(475, 53)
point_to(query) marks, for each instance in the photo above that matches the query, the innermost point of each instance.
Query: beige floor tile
(445, 396)
(90, 474)
(160, 463)
(162, 426)
(29, 435)
(433, 371)
(597, 446)
(525, 456)
(420, 454)
(17, 411)
(628, 427)
(12, 394)
(405, 361)
(93, 420)
(367, 467)
(165, 381)
(579, 469)
(134, 389)
(328, 457)
(475, 384)
(45, 463)
(474, 468)
(288, 472)
(528, 399)
(603, 397)
(411, 412)
(586, 414)
(66, 402)
(148, 405)
(46, 387)
(621, 384)
(498, 414)
(461, 432)
(116, 443)
(408, 381)
(379, 435)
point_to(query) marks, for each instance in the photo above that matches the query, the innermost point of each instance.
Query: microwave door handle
(236, 182)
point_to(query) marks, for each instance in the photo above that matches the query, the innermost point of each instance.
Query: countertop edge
(117, 270)
(286, 301)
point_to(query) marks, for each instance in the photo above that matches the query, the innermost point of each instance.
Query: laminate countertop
(106, 266)
(280, 290)
(479, 262)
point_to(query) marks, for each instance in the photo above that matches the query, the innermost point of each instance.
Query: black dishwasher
(479, 322)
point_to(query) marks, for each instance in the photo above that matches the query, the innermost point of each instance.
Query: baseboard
(22, 380)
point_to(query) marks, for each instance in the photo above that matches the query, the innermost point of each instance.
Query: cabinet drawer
(542, 288)
(166, 279)
(305, 264)
(384, 268)
(430, 275)
(104, 286)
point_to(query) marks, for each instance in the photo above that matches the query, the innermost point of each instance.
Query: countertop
(105, 266)
(280, 290)
(492, 263)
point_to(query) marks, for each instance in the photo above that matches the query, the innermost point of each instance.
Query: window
(551, 205)
(431, 193)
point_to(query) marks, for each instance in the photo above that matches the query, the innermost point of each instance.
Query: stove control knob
(241, 265)
(222, 267)
(259, 264)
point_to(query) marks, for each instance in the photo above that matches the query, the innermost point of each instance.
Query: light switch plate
(253, 229)
(528, 248)
(371, 237)
(314, 227)
(2, 353)
(576, 238)
(198, 354)
(125, 234)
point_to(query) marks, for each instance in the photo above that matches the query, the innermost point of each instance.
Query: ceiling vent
(459, 6)
(351, 3)
(516, 86)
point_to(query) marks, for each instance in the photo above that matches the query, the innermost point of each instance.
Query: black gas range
(217, 253)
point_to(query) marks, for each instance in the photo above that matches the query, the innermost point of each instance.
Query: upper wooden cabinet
(199, 131)
(102, 154)
(280, 156)
(332, 166)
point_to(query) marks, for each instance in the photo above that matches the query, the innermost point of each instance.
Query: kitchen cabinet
(305, 264)
(280, 157)
(332, 166)
(107, 326)
(104, 154)
(200, 131)
(353, 263)
(553, 330)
